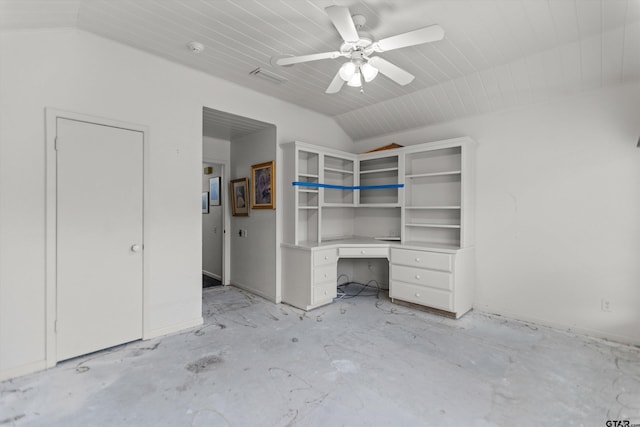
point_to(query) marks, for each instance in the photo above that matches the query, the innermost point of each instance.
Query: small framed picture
(214, 191)
(239, 197)
(263, 177)
(205, 202)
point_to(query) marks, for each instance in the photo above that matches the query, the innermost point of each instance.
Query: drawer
(420, 276)
(363, 252)
(324, 292)
(327, 273)
(422, 259)
(435, 298)
(325, 256)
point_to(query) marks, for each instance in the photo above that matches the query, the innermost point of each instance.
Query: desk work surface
(362, 241)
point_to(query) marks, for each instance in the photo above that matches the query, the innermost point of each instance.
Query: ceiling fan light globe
(369, 72)
(355, 81)
(347, 71)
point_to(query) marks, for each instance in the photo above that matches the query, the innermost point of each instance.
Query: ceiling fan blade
(423, 35)
(336, 84)
(394, 72)
(290, 60)
(341, 18)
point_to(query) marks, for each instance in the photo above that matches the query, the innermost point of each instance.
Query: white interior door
(99, 237)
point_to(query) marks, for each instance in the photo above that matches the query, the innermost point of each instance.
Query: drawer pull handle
(417, 259)
(418, 294)
(326, 257)
(363, 252)
(417, 276)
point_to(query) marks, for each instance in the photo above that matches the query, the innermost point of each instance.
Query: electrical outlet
(606, 305)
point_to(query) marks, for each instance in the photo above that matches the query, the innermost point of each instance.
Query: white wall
(212, 228)
(75, 71)
(257, 248)
(558, 209)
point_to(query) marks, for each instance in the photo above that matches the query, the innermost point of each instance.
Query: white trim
(52, 114)
(594, 333)
(23, 370)
(212, 275)
(254, 291)
(180, 327)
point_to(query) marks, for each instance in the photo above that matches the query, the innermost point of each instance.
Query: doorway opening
(213, 229)
(231, 144)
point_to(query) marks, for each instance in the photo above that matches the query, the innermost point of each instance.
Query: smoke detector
(195, 47)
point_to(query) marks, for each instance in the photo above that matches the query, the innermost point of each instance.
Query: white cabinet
(310, 277)
(443, 281)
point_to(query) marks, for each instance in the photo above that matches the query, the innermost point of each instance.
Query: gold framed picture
(239, 197)
(263, 195)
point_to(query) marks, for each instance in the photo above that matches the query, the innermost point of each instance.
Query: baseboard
(19, 371)
(594, 333)
(174, 328)
(253, 291)
(212, 275)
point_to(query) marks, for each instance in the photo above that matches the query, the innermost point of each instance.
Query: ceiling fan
(359, 48)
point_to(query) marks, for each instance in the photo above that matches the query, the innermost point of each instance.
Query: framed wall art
(214, 191)
(239, 191)
(205, 202)
(263, 178)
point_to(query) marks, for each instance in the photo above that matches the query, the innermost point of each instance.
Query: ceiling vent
(268, 76)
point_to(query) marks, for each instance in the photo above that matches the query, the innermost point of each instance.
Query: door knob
(136, 248)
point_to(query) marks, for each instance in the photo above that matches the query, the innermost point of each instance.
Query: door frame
(51, 116)
(226, 218)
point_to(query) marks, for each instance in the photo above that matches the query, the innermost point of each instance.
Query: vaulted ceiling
(496, 54)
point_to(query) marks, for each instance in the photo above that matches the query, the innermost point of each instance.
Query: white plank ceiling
(496, 54)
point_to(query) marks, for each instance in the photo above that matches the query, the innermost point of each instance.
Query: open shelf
(433, 196)
(378, 172)
(338, 171)
(379, 205)
(348, 172)
(434, 225)
(432, 207)
(308, 175)
(365, 172)
(337, 205)
(426, 175)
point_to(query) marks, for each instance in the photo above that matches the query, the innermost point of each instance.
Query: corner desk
(438, 277)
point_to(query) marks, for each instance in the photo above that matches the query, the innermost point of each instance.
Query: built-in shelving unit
(434, 196)
(419, 193)
(412, 205)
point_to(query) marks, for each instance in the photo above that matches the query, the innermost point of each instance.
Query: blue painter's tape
(345, 187)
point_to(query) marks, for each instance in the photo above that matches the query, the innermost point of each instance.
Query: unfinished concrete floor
(356, 362)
